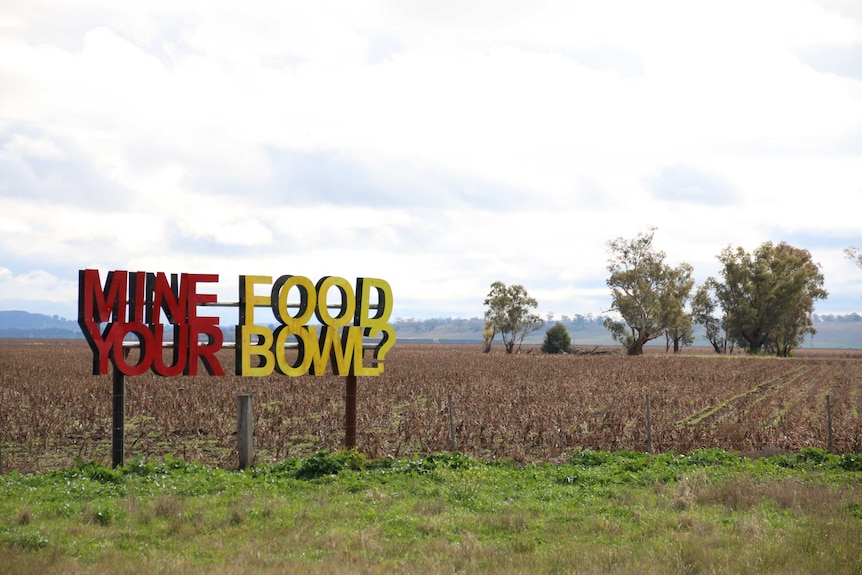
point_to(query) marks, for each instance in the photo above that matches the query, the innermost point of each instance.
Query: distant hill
(833, 331)
(22, 324)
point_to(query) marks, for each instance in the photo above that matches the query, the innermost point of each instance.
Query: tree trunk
(636, 348)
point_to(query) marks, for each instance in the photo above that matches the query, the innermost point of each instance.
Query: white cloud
(439, 145)
(36, 286)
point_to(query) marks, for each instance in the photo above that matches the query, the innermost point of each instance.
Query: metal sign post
(118, 425)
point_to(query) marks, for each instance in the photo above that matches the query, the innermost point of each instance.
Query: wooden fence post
(648, 426)
(829, 423)
(245, 430)
(451, 422)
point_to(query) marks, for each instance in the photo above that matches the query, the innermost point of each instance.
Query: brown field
(526, 407)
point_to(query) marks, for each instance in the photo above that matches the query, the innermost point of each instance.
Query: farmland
(526, 408)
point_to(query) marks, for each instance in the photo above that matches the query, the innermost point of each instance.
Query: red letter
(207, 351)
(179, 353)
(101, 344)
(138, 296)
(96, 305)
(145, 337)
(166, 297)
(192, 299)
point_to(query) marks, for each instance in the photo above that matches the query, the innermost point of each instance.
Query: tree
(679, 335)
(557, 340)
(855, 254)
(488, 333)
(648, 294)
(768, 296)
(679, 330)
(702, 309)
(509, 315)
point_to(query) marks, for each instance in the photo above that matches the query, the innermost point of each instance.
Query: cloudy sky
(439, 145)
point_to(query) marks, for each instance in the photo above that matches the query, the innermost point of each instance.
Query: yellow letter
(343, 350)
(245, 349)
(348, 301)
(331, 347)
(363, 303)
(304, 340)
(247, 299)
(306, 305)
(359, 370)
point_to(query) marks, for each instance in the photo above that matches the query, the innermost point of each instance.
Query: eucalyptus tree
(509, 314)
(855, 254)
(703, 307)
(648, 294)
(768, 296)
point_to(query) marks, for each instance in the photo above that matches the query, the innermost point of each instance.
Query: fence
(529, 407)
(223, 441)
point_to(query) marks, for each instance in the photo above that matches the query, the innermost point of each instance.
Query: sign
(132, 304)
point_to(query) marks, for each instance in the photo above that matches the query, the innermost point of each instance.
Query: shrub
(324, 463)
(851, 462)
(590, 458)
(319, 464)
(813, 456)
(557, 340)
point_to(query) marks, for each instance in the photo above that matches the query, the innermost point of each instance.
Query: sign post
(118, 456)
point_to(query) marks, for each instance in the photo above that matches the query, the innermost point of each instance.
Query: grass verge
(710, 511)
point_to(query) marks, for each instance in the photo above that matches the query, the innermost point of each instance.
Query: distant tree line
(762, 302)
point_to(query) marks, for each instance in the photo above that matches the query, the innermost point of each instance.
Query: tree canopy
(855, 254)
(768, 296)
(509, 315)
(703, 307)
(648, 294)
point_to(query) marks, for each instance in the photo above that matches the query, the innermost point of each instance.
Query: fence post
(829, 423)
(648, 426)
(451, 422)
(245, 430)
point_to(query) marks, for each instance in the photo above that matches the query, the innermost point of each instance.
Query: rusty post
(350, 411)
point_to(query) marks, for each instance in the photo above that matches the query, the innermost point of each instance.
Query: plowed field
(527, 407)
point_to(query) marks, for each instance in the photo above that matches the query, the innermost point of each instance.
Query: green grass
(706, 512)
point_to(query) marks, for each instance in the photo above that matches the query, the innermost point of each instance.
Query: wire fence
(434, 398)
(429, 424)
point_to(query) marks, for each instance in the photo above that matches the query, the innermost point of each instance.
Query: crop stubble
(527, 407)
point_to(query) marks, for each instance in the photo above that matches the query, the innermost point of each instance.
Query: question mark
(386, 342)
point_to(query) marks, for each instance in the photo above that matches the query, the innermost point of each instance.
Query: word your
(132, 304)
